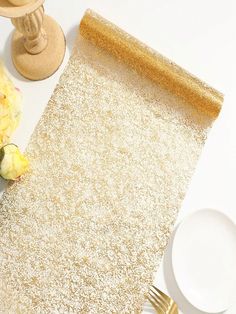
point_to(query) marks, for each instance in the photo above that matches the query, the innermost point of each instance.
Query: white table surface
(198, 35)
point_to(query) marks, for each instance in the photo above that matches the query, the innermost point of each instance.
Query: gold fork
(161, 302)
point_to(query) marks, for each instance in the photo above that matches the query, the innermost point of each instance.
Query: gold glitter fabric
(111, 159)
(150, 63)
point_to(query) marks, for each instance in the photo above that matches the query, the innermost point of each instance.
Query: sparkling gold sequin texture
(111, 160)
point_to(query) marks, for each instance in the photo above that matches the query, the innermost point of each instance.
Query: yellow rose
(13, 164)
(10, 100)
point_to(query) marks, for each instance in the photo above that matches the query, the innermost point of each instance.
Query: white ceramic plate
(204, 260)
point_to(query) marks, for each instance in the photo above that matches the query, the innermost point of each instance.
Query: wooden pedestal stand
(38, 44)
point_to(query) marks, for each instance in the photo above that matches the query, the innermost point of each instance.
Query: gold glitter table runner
(111, 159)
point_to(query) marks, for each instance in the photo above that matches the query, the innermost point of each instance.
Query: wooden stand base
(40, 66)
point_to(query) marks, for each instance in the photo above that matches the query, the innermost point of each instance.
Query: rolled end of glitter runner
(150, 63)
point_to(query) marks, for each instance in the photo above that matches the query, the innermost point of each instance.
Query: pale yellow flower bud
(13, 164)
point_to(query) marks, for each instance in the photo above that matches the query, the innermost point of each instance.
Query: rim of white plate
(210, 309)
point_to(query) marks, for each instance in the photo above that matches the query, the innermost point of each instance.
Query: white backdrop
(198, 35)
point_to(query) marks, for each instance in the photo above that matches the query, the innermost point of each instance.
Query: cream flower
(13, 164)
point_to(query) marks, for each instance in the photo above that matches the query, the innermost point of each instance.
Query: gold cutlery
(161, 302)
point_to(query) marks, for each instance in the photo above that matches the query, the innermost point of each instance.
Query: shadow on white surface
(148, 309)
(172, 286)
(71, 37)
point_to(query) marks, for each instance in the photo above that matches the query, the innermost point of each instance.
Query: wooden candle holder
(38, 43)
